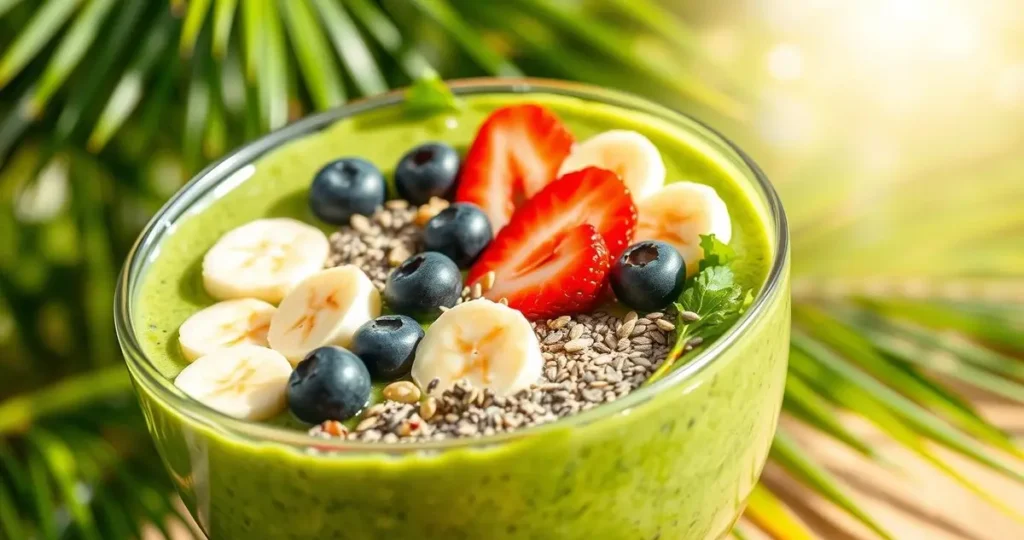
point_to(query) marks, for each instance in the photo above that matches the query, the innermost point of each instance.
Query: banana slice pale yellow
(246, 381)
(630, 155)
(486, 343)
(225, 324)
(264, 259)
(324, 309)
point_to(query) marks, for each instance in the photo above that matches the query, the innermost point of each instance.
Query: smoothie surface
(277, 187)
(680, 465)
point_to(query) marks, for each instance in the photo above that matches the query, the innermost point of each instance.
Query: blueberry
(648, 276)
(387, 345)
(461, 232)
(429, 170)
(422, 284)
(345, 187)
(330, 383)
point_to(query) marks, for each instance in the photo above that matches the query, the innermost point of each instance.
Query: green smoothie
(676, 462)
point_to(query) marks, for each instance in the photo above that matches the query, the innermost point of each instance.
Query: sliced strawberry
(562, 274)
(516, 152)
(540, 263)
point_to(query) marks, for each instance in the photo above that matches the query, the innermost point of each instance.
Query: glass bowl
(672, 460)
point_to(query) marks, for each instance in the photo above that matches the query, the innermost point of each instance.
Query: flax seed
(578, 344)
(360, 223)
(428, 408)
(689, 316)
(555, 324)
(664, 325)
(367, 423)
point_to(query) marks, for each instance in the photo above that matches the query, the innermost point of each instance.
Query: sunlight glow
(785, 62)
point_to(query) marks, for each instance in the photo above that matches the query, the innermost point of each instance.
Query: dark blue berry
(429, 170)
(345, 187)
(387, 345)
(422, 285)
(330, 383)
(460, 231)
(648, 276)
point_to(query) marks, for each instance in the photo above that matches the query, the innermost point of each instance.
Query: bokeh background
(894, 130)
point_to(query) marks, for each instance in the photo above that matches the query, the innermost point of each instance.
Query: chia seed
(589, 359)
(576, 377)
(378, 243)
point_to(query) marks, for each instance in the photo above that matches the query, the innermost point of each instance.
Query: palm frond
(89, 149)
(77, 463)
(788, 454)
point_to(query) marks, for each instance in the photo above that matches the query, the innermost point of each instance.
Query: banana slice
(263, 259)
(324, 309)
(488, 344)
(225, 324)
(630, 155)
(246, 382)
(678, 214)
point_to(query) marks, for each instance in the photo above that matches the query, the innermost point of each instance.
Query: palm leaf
(128, 92)
(925, 392)
(322, 77)
(352, 48)
(821, 363)
(441, 12)
(71, 51)
(793, 459)
(40, 30)
(188, 80)
(804, 403)
(771, 515)
(127, 20)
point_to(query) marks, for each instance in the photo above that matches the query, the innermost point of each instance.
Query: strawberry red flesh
(516, 152)
(563, 274)
(553, 256)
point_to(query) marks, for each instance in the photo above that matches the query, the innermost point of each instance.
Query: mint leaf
(716, 253)
(715, 296)
(717, 300)
(429, 95)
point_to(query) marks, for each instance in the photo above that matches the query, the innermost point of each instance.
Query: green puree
(173, 289)
(680, 464)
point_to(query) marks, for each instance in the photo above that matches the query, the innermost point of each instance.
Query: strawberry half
(561, 275)
(553, 256)
(516, 152)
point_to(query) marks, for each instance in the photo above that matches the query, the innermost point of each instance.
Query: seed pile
(590, 359)
(378, 243)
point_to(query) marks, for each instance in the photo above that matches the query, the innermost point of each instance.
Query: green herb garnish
(429, 95)
(708, 306)
(716, 253)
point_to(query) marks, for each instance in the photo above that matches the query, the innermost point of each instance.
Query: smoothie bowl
(539, 310)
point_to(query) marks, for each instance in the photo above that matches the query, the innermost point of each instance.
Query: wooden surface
(911, 498)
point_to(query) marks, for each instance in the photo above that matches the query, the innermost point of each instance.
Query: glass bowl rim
(145, 373)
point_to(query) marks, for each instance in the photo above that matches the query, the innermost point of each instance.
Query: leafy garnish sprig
(710, 303)
(430, 95)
